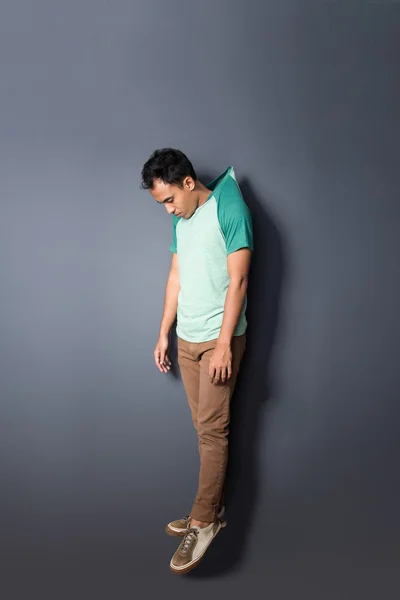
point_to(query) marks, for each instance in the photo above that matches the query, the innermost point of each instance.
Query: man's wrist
(224, 340)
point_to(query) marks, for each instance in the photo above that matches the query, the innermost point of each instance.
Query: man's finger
(163, 360)
(229, 371)
(211, 373)
(157, 360)
(223, 375)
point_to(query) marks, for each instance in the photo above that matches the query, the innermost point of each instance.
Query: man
(212, 243)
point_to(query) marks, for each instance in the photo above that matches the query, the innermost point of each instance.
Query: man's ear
(189, 183)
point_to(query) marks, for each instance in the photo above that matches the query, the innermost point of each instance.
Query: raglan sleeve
(174, 244)
(236, 223)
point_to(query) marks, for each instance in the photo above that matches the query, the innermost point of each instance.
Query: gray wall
(97, 447)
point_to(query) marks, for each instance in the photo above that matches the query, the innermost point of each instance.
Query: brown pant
(210, 407)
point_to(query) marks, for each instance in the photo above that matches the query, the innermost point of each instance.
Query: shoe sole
(181, 532)
(195, 563)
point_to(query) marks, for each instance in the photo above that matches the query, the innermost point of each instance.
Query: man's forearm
(232, 309)
(170, 305)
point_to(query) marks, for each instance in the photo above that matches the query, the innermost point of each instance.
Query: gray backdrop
(97, 447)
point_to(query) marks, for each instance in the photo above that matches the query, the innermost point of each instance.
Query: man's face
(181, 202)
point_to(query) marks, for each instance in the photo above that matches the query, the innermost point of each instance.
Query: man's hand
(160, 354)
(220, 369)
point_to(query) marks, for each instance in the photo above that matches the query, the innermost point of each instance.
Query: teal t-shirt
(217, 228)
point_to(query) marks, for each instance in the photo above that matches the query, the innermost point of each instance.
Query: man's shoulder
(230, 198)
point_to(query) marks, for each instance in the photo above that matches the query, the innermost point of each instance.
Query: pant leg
(213, 416)
(190, 371)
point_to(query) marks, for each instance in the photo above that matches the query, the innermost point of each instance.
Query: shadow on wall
(254, 389)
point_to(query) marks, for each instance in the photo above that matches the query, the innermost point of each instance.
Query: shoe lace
(189, 538)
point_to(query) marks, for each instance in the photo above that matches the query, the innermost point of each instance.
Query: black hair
(169, 165)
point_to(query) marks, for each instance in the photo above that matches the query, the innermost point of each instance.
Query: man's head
(171, 179)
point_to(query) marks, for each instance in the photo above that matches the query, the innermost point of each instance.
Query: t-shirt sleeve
(235, 219)
(174, 245)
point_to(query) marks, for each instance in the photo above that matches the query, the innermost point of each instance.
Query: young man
(212, 243)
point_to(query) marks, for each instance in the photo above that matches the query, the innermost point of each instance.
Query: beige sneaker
(179, 527)
(193, 546)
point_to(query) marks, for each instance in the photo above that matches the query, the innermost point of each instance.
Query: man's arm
(238, 269)
(169, 315)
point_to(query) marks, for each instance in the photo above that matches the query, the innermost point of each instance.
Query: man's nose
(170, 209)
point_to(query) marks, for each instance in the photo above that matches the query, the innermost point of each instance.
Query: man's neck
(204, 193)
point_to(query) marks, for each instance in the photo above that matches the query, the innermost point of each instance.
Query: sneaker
(179, 527)
(193, 547)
